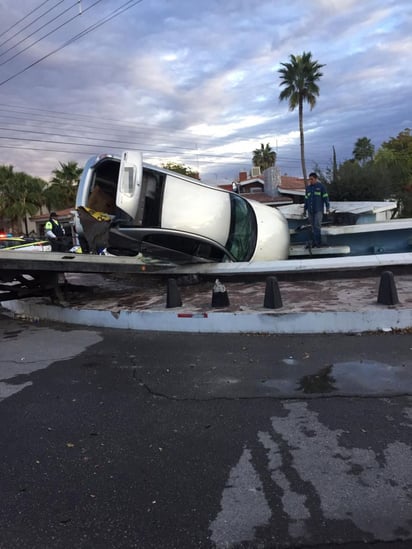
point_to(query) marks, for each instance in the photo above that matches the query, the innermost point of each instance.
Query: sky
(197, 82)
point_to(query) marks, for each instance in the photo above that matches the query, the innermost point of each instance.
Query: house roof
(259, 180)
(244, 183)
(67, 213)
(261, 197)
(226, 187)
(287, 183)
(264, 198)
(291, 185)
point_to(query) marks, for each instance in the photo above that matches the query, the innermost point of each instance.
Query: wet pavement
(130, 439)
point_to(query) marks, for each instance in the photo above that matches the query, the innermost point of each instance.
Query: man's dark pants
(315, 220)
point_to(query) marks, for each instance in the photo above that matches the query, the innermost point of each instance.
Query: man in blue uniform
(316, 199)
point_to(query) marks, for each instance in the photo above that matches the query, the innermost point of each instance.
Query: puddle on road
(321, 382)
(365, 376)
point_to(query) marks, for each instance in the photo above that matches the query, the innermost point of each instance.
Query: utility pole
(80, 6)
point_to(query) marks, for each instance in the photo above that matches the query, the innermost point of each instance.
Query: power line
(26, 27)
(102, 21)
(47, 34)
(122, 143)
(81, 34)
(129, 131)
(131, 146)
(23, 18)
(94, 151)
(89, 149)
(157, 156)
(126, 137)
(122, 132)
(93, 122)
(151, 149)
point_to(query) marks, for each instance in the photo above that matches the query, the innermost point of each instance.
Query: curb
(265, 322)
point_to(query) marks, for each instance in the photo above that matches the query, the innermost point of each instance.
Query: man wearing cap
(55, 233)
(316, 200)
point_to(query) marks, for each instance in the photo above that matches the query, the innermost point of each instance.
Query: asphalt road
(118, 439)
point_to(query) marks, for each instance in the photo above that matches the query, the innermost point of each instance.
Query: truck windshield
(243, 229)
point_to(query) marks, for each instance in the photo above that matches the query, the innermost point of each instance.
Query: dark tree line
(386, 175)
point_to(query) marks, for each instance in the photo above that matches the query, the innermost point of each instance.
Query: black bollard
(173, 294)
(387, 294)
(273, 299)
(219, 295)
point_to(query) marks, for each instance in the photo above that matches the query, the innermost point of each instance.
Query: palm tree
(20, 195)
(363, 150)
(62, 191)
(299, 78)
(264, 157)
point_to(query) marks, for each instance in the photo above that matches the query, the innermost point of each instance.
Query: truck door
(129, 184)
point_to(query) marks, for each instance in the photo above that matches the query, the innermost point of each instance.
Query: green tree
(363, 150)
(181, 168)
(299, 79)
(395, 156)
(20, 195)
(264, 157)
(388, 175)
(353, 182)
(402, 144)
(63, 186)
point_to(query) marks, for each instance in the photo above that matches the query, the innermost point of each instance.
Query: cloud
(197, 82)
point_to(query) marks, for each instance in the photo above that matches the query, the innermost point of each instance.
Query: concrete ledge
(270, 322)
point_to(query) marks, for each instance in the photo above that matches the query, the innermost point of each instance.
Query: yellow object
(99, 216)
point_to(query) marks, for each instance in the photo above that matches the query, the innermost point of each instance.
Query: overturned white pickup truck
(127, 207)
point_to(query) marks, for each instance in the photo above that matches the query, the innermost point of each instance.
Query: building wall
(272, 181)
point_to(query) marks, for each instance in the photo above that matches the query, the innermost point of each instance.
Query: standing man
(316, 199)
(55, 233)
